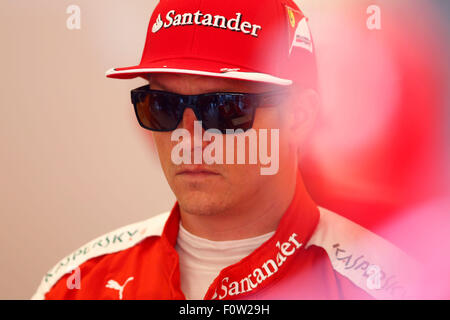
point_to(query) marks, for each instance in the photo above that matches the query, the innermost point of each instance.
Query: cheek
(266, 118)
(272, 118)
(276, 118)
(163, 145)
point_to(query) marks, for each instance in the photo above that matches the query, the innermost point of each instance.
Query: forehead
(196, 84)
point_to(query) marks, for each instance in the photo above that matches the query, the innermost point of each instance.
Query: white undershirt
(201, 260)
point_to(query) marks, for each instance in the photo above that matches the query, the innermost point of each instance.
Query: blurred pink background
(75, 164)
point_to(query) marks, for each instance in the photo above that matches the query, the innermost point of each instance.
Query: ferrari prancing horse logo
(291, 17)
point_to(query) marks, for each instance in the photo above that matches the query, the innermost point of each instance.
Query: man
(217, 70)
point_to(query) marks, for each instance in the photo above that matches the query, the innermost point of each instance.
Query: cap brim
(204, 68)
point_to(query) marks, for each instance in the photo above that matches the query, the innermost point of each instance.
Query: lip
(195, 170)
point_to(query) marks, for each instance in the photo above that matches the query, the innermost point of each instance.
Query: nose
(187, 123)
(188, 120)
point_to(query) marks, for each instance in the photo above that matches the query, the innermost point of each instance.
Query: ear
(303, 113)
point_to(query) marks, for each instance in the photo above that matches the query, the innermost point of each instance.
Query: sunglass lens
(227, 111)
(158, 111)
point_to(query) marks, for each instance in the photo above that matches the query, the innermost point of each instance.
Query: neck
(256, 216)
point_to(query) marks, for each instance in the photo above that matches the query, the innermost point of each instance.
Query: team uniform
(313, 254)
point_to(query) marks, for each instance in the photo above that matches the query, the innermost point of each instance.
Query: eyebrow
(152, 81)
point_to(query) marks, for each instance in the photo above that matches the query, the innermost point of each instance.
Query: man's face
(203, 189)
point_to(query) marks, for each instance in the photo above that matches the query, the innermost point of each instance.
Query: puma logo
(112, 284)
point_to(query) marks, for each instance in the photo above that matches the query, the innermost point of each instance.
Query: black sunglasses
(162, 111)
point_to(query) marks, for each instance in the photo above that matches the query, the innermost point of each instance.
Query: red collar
(268, 262)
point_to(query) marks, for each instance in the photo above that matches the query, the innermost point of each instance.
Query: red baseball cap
(257, 40)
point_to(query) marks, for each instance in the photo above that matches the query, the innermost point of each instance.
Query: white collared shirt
(201, 260)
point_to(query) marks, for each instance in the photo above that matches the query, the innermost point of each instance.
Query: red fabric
(259, 40)
(286, 269)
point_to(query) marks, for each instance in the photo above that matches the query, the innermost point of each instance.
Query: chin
(201, 203)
